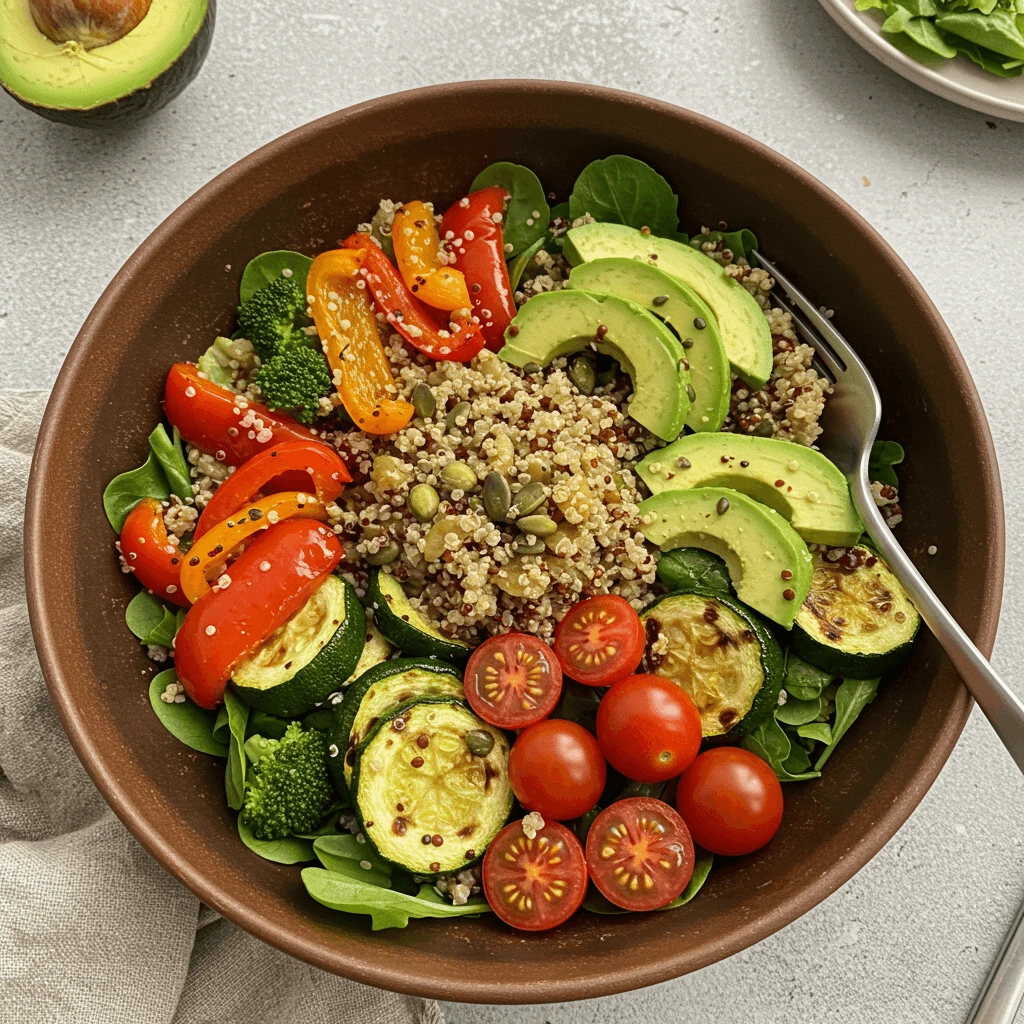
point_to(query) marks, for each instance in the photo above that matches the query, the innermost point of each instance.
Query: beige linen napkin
(92, 930)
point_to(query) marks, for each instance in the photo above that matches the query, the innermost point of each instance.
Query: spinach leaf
(598, 904)
(269, 266)
(739, 242)
(691, 567)
(624, 190)
(581, 825)
(150, 619)
(578, 703)
(187, 722)
(527, 214)
(820, 732)
(290, 850)
(126, 490)
(172, 461)
(266, 725)
(803, 681)
(344, 855)
(852, 697)
(770, 742)
(220, 726)
(387, 908)
(799, 761)
(517, 266)
(234, 778)
(798, 712)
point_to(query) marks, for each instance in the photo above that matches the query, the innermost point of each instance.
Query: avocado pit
(90, 23)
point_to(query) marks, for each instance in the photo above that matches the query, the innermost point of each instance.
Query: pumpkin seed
(522, 548)
(532, 368)
(461, 411)
(583, 375)
(766, 428)
(423, 401)
(386, 555)
(457, 475)
(424, 502)
(497, 497)
(480, 743)
(527, 500)
(539, 526)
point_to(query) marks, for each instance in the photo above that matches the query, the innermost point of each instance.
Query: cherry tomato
(476, 240)
(731, 801)
(154, 560)
(317, 469)
(556, 769)
(648, 728)
(534, 884)
(221, 423)
(270, 581)
(513, 680)
(600, 641)
(639, 853)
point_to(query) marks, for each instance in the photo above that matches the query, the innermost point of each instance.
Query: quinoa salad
(494, 554)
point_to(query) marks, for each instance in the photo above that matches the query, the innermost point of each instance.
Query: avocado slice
(798, 482)
(745, 333)
(680, 307)
(554, 324)
(769, 565)
(109, 84)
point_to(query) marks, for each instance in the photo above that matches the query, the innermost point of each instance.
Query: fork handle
(1000, 704)
(1001, 994)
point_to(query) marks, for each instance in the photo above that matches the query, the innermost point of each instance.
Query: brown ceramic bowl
(304, 192)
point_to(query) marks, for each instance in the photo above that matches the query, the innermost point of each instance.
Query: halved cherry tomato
(323, 469)
(207, 557)
(600, 641)
(221, 423)
(557, 769)
(154, 560)
(513, 680)
(417, 253)
(639, 853)
(534, 884)
(458, 342)
(270, 581)
(474, 234)
(648, 728)
(347, 327)
(731, 801)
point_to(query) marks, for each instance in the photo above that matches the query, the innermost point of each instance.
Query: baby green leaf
(798, 712)
(345, 855)
(803, 681)
(150, 619)
(820, 732)
(187, 722)
(693, 567)
(290, 850)
(172, 461)
(998, 30)
(852, 697)
(126, 490)
(266, 725)
(387, 907)
(527, 214)
(234, 778)
(623, 190)
(269, 266)
(770, 742)
(596, 903)
(517, 266)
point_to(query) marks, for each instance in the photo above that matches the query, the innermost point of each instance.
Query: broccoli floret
(269, 317)
(290, 791)
(295, 379)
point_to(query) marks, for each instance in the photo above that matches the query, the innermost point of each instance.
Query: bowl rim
(364, 969)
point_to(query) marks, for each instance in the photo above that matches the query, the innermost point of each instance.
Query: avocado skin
(139, 104)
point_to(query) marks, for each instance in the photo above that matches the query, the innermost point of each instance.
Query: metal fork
(855, 410)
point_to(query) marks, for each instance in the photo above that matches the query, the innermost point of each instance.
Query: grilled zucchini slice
(424, 799)
(405, 627)
(856, 621)
(375, 650)
(377, 693)
(309, 657)
(721, 653)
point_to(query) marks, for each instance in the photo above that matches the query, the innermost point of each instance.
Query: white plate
(958, 80)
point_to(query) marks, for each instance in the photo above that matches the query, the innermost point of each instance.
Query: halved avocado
(768, 563)
(101, 86)
(554, 324)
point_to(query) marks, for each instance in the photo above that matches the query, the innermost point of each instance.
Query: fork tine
(824, 356)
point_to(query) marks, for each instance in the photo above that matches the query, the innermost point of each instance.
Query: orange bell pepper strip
(208, 556)
(417, 253)
(347, 327)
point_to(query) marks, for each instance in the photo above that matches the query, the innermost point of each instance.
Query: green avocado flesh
(745, 333)
(65, 76)
(555, 324)
(755, 542)
(682, 309)
(798, 482)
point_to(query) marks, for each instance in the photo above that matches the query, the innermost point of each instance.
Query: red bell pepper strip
(411, 318)
(314, 467)
(270, 581)
(475, 237)
(154, 560)
(222, 423)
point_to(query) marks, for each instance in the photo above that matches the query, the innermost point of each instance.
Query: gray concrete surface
(909, 939)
